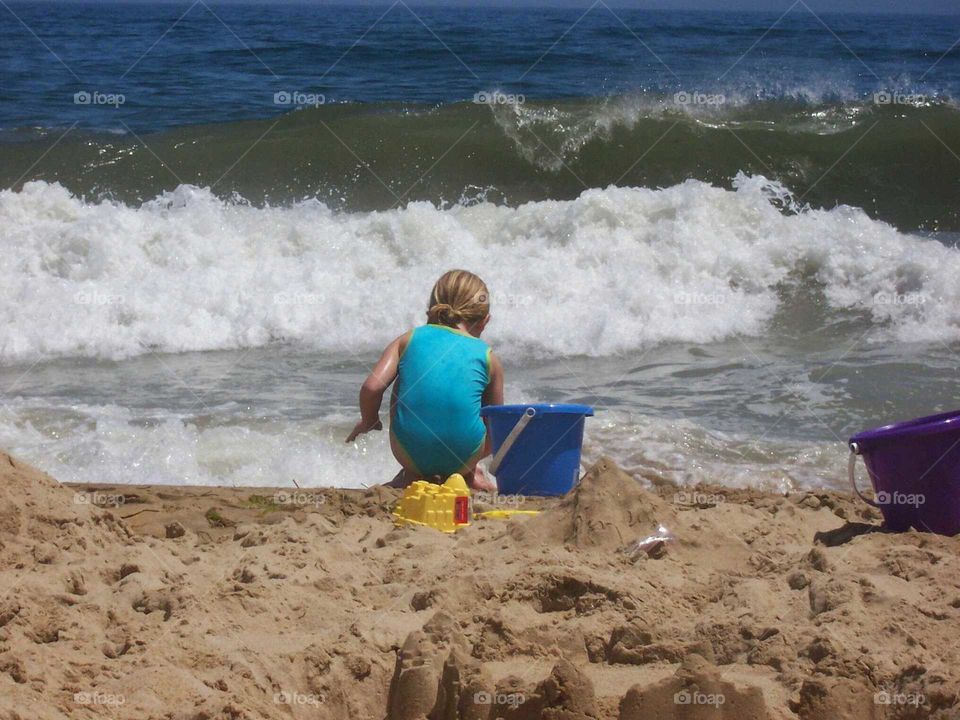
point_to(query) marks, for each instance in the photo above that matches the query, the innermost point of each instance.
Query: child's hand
(361, 427)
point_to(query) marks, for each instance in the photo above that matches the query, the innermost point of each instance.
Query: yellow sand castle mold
(443, 507)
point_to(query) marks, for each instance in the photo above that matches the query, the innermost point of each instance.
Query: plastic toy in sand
(443, 507)
(504, 514)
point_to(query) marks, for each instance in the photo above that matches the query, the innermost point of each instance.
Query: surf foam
(613, 271)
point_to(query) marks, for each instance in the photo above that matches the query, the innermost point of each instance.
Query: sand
(202, 603)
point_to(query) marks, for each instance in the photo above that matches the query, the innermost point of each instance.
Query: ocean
(734, 234)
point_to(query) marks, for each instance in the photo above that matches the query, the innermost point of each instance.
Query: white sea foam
(612, 271)
(112, 444)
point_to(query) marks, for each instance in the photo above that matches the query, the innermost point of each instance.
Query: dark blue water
(182, 63)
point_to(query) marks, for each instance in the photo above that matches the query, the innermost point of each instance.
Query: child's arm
(493, 395)
(376, 384)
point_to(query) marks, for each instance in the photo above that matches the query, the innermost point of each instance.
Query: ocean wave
(890, 156)
(612, 271)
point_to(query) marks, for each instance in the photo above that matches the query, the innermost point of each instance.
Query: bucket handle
(852, 472)
(511, 439)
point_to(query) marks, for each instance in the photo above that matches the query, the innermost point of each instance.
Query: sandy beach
(202, 603)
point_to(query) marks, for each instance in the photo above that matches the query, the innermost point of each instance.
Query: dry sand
(161, 602)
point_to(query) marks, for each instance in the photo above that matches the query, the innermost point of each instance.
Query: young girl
(444, 374)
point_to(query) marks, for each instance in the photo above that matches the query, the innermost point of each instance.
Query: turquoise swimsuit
(441, 379)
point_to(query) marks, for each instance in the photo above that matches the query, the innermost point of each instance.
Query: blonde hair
(458, 296)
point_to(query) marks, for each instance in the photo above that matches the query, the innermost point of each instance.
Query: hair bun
(443, 314)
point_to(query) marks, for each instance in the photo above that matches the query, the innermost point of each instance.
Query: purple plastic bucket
(914, 467)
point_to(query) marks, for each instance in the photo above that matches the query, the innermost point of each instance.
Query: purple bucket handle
(852, 472)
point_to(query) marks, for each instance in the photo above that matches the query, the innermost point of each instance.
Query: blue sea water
(185, 63)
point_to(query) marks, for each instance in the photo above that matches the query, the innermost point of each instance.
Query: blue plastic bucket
(545, 458)
(914, 467)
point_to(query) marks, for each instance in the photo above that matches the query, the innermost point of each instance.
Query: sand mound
(608, 510)
(43, 523)
(837, 697)
(567, 694)
(458, 688)
(31, 503)
(35, 508)
(426, 679)
(698, 691)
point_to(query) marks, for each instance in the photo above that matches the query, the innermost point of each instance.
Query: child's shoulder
(404, 340)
